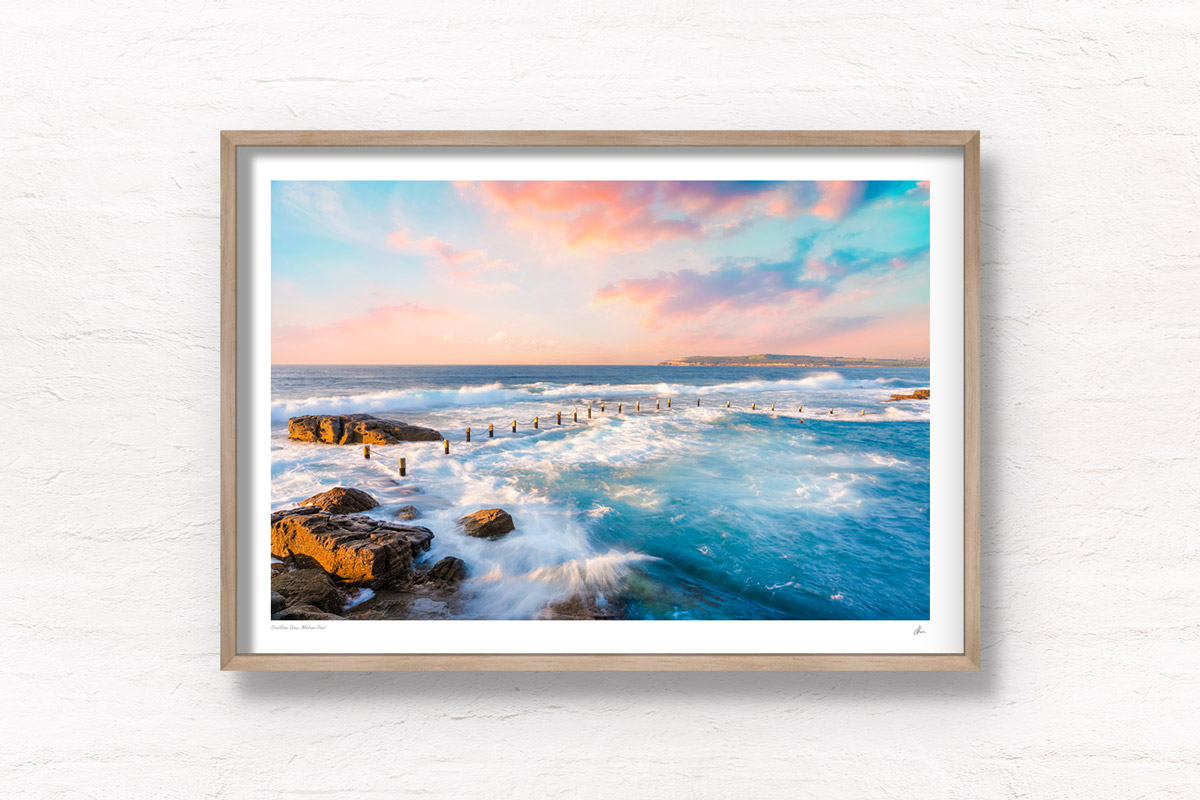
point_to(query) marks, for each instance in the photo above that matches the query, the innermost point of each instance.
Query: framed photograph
(597, 400)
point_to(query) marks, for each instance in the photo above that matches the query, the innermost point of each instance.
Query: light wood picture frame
(236, 146)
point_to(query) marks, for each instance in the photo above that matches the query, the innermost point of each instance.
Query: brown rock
(357, 429)
(355, 549)
(340, 500)
(918, 394)
(278, 602)
(290, 512)
(488, 523)
(304, 612)
(407, 512)
(447, 572)
(310, 587)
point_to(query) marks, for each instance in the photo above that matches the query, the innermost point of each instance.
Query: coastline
(642, 513)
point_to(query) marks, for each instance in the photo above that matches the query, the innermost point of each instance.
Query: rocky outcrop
(447, 573)
(310, 587)
(354, 549)
(488, 523)
(407, 512)
(304, 612)
(918, 394)
(278, 602)
(340, 500)
(357, 429)
(433, 593)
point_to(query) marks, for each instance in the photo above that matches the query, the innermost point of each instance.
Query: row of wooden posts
(403, 464)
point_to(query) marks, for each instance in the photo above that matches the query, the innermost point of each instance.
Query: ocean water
(691, 512)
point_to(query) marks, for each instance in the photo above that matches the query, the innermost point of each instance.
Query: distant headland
(773, 360)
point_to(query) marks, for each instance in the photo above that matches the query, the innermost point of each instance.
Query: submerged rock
(340, 500)
(407, 512)
(354, 549)
(310, 587)
(488, 523)
(357, 429)
(427, 606)
(579, 607)
(304, 612)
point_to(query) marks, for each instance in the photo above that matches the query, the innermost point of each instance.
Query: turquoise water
(691, 512)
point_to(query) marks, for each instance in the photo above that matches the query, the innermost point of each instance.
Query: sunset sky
(596, 272)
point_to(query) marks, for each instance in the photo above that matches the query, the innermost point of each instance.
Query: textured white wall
(108, 324)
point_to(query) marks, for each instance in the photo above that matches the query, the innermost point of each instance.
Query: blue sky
(575, 272)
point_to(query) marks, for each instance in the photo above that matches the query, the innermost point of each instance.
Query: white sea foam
(398, 400)
(830, 493)
(497, 394)
(499, 593)
(569, 487)
(580, 575)
(357, 597)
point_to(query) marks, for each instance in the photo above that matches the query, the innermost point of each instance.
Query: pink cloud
(482, 277)
(920, 191)
(726, 199)
(688, 294)
(469, 265)
(602, 215)
(837, 198)
(633, 216)
(379, 317)
(759, 287)
(434, 247)
(448, 254)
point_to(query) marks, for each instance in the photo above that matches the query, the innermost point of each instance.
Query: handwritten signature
(919, 631)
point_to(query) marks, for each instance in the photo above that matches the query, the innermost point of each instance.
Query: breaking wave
(492, 394)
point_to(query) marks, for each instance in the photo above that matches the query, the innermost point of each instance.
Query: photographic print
(600, 400)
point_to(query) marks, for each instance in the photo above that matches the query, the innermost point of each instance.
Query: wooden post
(753, 406)
(589, 412)
(403, 467)
(831, 411)
(514, 426)
(535, 423)
(560, 418)
(727, 404)
(602, 408)
(668, 402)
(446, 444)
(697, 402)
(772, 406)
(618, 408)
(577, 414)
(639, 406)
(468, 434)
(799, 409)
(366, 451)
(491, 433)
(657, 404)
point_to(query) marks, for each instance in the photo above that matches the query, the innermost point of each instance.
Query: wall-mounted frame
(727, 511)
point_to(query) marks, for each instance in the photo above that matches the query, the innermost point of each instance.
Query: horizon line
(560, 363)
